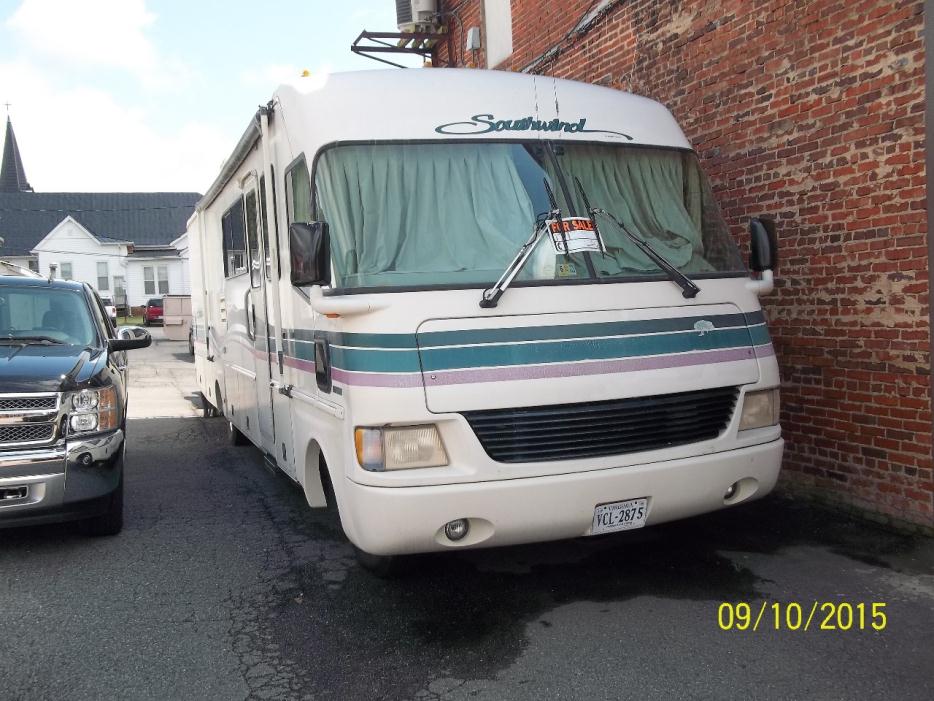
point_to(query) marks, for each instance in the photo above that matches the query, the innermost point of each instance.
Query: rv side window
(252, 237)
(234, 243)
(298, 193)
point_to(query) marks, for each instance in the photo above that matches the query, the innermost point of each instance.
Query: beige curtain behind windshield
(413, 209)
(648, 191)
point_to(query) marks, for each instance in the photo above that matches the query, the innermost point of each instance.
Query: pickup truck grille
(26, 433)
(595, 429)
(28, 419)
(27, 403)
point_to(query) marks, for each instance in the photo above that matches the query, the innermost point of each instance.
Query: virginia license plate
(620, 516)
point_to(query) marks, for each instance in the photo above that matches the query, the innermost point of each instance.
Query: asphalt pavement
(225, 585)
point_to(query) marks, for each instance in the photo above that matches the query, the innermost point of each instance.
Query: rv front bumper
(60, 483)
(401, 520)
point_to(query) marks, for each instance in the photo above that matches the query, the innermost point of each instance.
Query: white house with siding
(119, 269)
(128, 245)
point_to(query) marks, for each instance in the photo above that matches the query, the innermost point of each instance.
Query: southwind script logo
(487, 123)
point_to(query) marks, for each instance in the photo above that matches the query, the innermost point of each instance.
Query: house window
(34, 266)
(163, 273)
(498, 16)
(120, 292)
(65, 270)
(103, 277)
(149, 280)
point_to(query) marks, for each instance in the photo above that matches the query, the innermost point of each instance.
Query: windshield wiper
(491, 295)
(31, 340)
(688, 289)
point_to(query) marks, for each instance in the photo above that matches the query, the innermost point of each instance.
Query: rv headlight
(93, 410)
(399, 447)
(759, 409)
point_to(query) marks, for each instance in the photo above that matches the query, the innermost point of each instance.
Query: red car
(153, 313)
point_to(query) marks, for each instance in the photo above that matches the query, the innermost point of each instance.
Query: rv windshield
(660, 194)
(404, 215)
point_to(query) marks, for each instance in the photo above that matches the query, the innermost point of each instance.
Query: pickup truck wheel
(111, 521)
(382, 566)
(234, 435)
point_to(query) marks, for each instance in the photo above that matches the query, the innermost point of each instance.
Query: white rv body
(428, 355)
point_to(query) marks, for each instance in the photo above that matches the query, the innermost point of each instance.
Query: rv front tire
(383, 566)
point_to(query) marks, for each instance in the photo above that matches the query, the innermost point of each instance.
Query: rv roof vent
(416, 15)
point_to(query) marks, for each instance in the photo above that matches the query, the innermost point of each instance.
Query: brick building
(812, 111)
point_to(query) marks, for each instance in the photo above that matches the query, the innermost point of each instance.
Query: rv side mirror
(310, 251)
(763, 244)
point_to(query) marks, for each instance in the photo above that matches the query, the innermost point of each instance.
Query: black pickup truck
(63, 398)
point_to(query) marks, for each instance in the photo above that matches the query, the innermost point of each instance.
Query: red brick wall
(812, 111)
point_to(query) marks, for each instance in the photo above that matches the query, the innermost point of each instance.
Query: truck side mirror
(128, 338)
(763, 244)
(310, 252)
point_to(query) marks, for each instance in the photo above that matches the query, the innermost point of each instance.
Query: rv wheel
(383, 566)
(234, 435)
(208, 410)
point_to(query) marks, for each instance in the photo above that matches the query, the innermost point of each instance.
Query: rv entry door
(258, 318)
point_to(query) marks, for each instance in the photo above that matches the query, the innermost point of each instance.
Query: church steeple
(12, 175)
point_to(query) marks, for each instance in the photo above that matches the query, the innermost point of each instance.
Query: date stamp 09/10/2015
(794, 616)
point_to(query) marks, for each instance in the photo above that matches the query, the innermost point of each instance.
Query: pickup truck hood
(44, 368)
(534, 360)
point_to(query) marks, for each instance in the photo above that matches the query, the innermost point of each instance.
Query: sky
(152, 95)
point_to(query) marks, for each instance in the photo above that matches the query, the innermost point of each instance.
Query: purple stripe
(764, 351)
(299, 364)
(602, 367)
(377, 379)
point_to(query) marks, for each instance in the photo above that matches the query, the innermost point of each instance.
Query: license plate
(620, 516)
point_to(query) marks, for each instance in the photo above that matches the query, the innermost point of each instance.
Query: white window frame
(149, 280)
(162, 276)
(61, 270)
(105, 277)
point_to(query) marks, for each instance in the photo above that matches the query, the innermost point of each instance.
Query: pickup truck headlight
(399, 448)
(93, 410)
(760, 409)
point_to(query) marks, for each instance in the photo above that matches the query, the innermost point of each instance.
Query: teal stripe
(520, 334)
(594, 349)
(760, 335)
(366, 360)
(572, 331)
(362, 340)
(498, 351)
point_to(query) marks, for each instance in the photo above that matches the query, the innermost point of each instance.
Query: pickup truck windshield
(58, 315)
(404, 215)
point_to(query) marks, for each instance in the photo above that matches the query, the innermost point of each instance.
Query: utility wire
(117, 209)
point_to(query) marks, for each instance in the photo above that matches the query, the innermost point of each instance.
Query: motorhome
(477, 308)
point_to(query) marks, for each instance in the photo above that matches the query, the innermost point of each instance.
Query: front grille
(24, 403)
(26, 433)
(594, 429)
